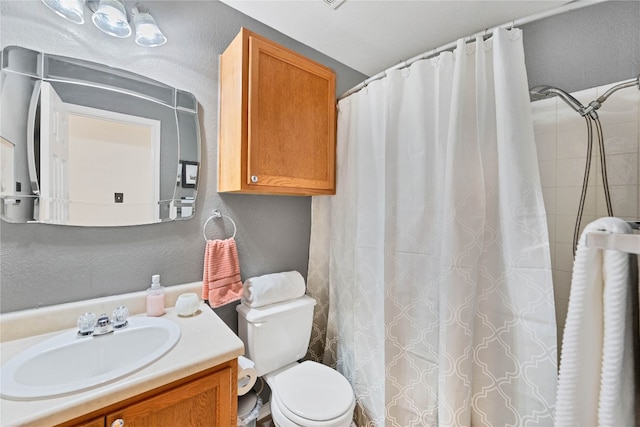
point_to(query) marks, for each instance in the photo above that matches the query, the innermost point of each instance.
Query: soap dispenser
(155, 297)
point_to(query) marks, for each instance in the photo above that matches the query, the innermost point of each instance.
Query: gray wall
(45, 264)
(584, 48)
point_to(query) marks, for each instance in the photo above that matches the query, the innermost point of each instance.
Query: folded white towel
(595, 384)
(272, 288)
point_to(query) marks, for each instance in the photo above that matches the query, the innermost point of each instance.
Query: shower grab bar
(619, 242)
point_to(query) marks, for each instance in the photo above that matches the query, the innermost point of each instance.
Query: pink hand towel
(221, 283)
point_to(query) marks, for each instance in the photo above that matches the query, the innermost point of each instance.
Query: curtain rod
(572, 5)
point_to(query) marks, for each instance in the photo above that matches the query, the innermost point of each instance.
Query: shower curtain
(431, 263)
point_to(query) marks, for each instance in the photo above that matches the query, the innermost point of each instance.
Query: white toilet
(305, 394)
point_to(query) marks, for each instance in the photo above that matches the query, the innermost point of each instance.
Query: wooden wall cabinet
(205, 399)
(277, 125)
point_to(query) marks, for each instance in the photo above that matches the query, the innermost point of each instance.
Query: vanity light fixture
(110, 16)
(72, 10)
(148, 33)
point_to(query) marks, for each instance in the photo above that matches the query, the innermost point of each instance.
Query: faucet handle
(86, 324)
(119, 317)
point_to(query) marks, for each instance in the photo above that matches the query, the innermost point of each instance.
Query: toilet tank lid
(261, 314)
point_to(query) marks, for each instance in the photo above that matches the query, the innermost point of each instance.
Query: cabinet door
(204, 402)
(291, 138)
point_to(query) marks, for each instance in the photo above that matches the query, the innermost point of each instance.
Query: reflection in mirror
(85, 144)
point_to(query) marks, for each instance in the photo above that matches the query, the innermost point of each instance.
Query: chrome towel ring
(217, 214)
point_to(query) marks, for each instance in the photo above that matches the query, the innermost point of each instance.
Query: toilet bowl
(309, 394)
(306, 394)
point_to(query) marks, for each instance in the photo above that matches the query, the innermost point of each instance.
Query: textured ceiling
(372, 35)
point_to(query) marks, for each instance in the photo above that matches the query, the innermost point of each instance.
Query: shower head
(545, 91)
(541, 92)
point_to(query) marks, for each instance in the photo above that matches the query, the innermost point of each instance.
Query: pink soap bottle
(155, 298)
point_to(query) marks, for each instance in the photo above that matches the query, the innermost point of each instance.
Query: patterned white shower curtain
(431, 263)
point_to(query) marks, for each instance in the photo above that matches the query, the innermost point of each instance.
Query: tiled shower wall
(561, 140)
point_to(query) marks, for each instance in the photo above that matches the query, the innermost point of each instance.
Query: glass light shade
(72, 10)
(111, 18)
(148, 34)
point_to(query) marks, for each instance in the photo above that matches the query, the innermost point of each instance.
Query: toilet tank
(276, 335)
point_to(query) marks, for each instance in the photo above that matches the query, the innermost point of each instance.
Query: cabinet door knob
(118, 423)
(254, 178)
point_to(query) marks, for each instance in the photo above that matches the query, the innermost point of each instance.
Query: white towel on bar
(595, 381)
(272, 288)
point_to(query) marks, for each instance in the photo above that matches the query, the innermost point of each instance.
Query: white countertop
(205, 342)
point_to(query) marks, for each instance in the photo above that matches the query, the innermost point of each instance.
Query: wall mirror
(85, 144)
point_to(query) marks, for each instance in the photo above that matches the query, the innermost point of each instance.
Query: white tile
(546, 146)
(562, 306)
(573, 143)
(547, 173)
(565, 225)
(544, 116)
(595, 178)
(564, 257)
(551, 227)
(568, 198)
(569, 120)
(624, 200)
(561, 285)
(621, 138)
(549, 197)
(542, 104)
(622, 169)
(570, 172)
(621, 106)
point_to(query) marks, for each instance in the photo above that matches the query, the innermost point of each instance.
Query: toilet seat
(281, 420)
(311, 395)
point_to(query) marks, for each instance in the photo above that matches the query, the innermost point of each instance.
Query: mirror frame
(19, 204)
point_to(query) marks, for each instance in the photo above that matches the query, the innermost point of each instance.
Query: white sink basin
(67, 363)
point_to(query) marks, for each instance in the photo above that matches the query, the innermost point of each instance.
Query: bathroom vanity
(194, 383)
(201, 399)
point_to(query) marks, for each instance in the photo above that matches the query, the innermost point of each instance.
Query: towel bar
(217, 214)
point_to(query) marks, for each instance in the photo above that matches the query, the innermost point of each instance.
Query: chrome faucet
(88, 325)
(103, 325)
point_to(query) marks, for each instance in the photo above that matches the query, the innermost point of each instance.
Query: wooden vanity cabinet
(205, 399)
(277, 124)
(97, 422)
